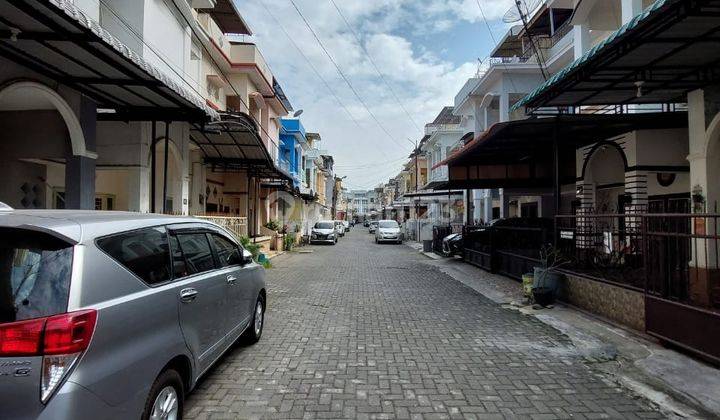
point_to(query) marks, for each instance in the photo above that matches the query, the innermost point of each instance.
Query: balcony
(439, 174)
(237, 57)
(245, 55)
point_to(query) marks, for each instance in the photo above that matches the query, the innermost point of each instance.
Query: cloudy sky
(405, 60)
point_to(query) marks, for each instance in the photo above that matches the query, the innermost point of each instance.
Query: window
(144, 252)
(227, 252)
(179, 266)
(388, 224)
(324, 225)
(35, 271)
(196, 249)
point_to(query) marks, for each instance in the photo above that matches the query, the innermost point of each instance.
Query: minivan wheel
(165, 400)
(254, 330)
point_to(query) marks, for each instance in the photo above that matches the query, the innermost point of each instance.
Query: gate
(674, 258)
(682, 292)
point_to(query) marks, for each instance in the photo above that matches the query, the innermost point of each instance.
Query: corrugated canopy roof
(56, 39)
(234, 144)
(671, 48)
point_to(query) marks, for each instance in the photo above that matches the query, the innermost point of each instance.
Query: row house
(89, 94)
(149, 107)
(444, 135)
(610, 127)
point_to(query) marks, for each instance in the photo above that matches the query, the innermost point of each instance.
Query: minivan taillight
(69, 333)
(21, 338)
(60, 339)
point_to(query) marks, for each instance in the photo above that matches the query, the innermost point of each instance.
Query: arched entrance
(604, 169)
(712, 165)
(43, 152)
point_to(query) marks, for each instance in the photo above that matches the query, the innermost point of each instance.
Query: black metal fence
(674, 259)
(512, 250)
(440, 232)
(605, 247)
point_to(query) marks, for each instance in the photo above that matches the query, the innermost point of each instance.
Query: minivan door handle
(231, 279)
(188, 295)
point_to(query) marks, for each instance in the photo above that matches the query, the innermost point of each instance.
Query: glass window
(144, 252)
(226, 250)
(35, 271)
(178, 259)
(324, 225)
(196, 248)
(388, 224)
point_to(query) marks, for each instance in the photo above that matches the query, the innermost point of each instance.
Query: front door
(240, 299)
(202, 296)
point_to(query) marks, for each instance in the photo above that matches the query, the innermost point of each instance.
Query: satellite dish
(526, 7)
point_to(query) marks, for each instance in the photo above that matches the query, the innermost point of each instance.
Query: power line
(492, 36)
(382, 77)
(342, 75)
(312, 66)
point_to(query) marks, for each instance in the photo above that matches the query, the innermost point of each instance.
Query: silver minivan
(116, 315)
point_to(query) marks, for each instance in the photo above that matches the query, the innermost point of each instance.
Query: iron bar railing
(675, 257)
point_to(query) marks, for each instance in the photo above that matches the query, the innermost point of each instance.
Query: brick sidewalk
(360, 330)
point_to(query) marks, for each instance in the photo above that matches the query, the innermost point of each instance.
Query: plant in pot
(546, 277)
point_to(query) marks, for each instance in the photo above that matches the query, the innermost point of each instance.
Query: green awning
(648, 60)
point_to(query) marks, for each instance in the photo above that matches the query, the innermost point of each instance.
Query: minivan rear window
(35, 271)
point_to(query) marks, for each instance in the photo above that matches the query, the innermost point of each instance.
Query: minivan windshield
(324, 225)
(388, 224)
(35, 271)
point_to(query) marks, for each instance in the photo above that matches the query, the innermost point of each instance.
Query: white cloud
(422, 81)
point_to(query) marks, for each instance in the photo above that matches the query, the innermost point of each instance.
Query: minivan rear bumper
(73, 401)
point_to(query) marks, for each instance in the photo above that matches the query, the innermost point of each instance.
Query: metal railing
(237, 225)
(509, 250)
(605, 247)
(670, 256)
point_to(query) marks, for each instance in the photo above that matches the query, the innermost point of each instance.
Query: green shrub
(289, 242)
(273, 225)
(254, 249)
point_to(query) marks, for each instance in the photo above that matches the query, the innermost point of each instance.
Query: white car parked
(388, 231)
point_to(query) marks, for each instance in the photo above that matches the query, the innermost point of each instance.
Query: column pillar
(630, 9)
(80, 183)
(581, 39)
(488, 206)
(636, 186)
(80, 170)
(504, 107)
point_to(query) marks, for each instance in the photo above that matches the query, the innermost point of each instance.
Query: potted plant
(546, 277)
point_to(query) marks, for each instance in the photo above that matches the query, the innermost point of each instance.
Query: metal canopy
(56, 39)
(234, 144)
(518, 154)
(420, 194)
(671, 48)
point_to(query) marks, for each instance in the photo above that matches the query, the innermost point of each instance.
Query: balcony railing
(237, 225)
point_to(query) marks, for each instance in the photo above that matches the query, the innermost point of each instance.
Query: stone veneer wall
(624, 306)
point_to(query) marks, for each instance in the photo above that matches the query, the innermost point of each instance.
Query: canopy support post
(165, 166)
(556, 169)
(153, 169)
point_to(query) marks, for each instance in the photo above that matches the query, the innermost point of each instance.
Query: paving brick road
(360, 330)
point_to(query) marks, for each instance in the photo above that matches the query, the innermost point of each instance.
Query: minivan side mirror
(247, 257)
